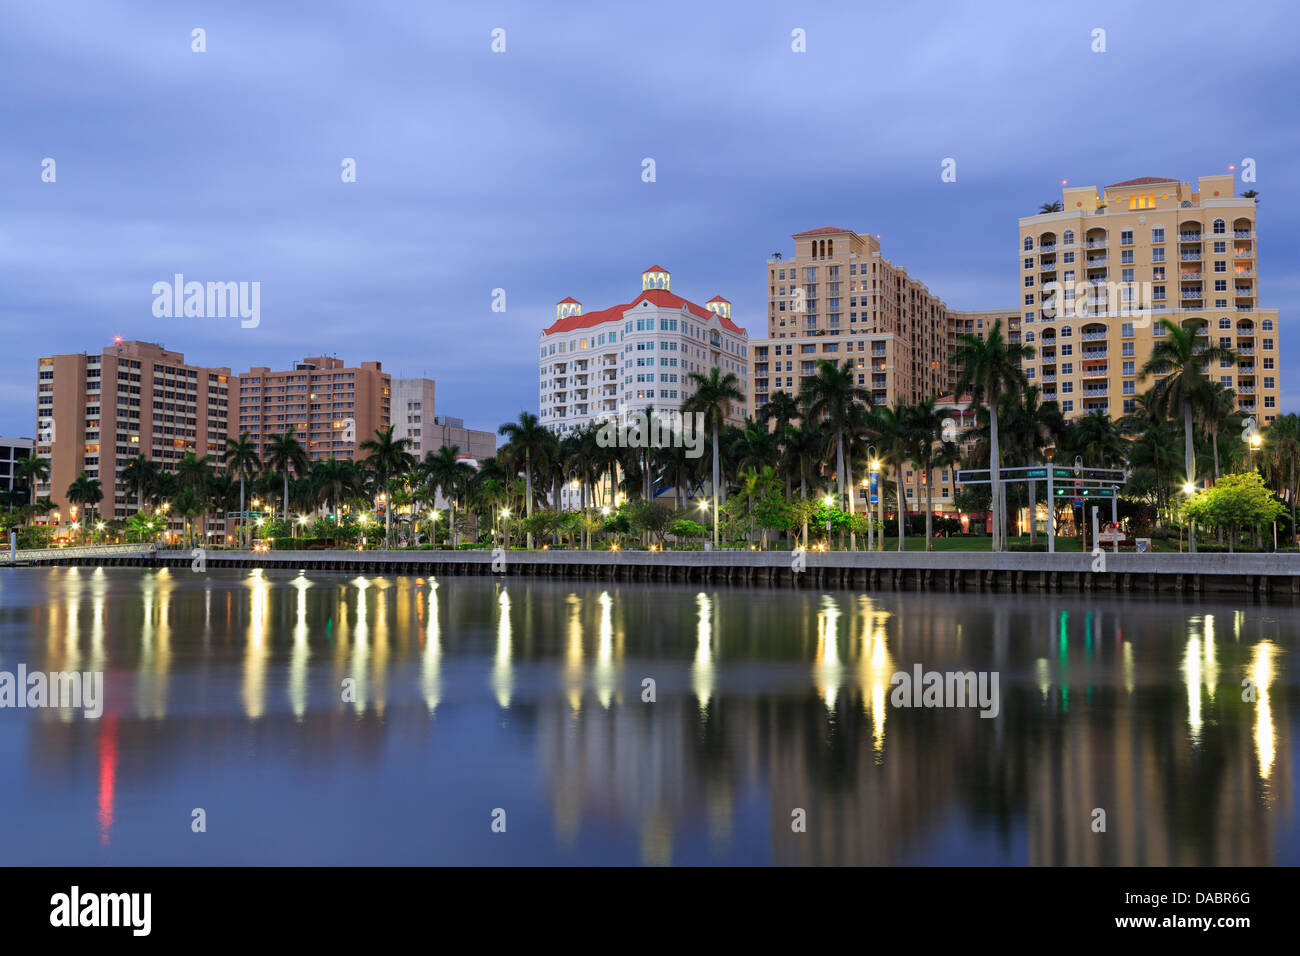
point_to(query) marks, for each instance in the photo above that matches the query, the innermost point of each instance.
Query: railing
(1096, 371)
(1094, 336)
(1245, 290)
(1246, 389)
(1050, 247)
(1190, 256)
(88, 551)
(1095, 391)
(1189, 276)
(1241, 233)
(1096, 261)
(1189, 237)
(1096, 243)
(1246, 351)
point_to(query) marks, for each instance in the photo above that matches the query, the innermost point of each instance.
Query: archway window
(1220, 227)
(1029, 242)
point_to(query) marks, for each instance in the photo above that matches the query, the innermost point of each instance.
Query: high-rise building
(13, 451)
(97, 412)
(1123, 258)
(599, 366)
(414, 419)
(332, 408)
(839, 299)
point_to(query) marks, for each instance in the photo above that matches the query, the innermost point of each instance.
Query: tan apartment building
(95, 412)
(1122, 258)
(838, 298)
(414, 418)
(597, 366)
(331, 407)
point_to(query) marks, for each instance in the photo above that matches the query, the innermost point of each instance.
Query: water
(474, 699)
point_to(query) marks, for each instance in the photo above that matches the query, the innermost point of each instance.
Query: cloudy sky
(522, 170)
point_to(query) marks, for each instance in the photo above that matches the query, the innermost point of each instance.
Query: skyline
(225, 166)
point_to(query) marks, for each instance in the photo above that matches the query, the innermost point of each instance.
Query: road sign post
(1051, 512)
(1114, 523)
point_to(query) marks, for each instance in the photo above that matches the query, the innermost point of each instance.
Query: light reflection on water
(324, 719)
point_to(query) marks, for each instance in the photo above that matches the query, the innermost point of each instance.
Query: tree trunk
(1033, 512)
(902, 511)
(1189, 463)
(716, 465)
(929, 509)
(995, 472)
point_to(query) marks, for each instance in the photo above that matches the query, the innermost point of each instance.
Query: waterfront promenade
(1268, 575)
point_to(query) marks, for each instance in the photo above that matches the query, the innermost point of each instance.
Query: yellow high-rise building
(1097, 277)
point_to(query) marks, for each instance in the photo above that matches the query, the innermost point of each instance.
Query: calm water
(224, 691)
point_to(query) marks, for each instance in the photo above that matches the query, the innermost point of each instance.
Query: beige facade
(1193, 249)
(628, 358)
(414, 419)
(331, 407)
(97, 412)
(838, 298)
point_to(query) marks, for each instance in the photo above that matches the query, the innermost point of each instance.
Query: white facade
(633, 357)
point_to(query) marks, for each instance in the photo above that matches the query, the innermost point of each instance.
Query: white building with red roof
(598, 366)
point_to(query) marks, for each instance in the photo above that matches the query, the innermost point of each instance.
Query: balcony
(1248, 350)
(1094, 337)
(1096, 370)
(1189, 237)
(1244, 290)
(1195, 295)
(1096, 244)
(1241, 234)
(1048, 378)
(1096, 391)
(1188, 276)
(1096, 262)
(1190, 256)
(1049, 247)
(1241, 252)
(1245, 389)
(1094, 354)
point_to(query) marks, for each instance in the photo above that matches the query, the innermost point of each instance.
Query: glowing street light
(1189, 488)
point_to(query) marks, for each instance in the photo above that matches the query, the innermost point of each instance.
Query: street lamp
(880, 498)
(704, 537)
(828, 501)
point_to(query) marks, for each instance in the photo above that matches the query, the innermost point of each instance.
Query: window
(1158, 255)
(1129, 387)
(1220, 265)
(1126, 330)
(1067, 349)
(1126, 348)
(1029, 298)
(1066, 239)
(1127, 369)
(1126, 237)
(1220, 227)
(1029, 243)
(1029, 282)
(1158, 234)
(1268, 325)
(1029, 262)
(1220, 247)
(1067, 406)
(1067, 368)
(1126, 257)
(1066, 332)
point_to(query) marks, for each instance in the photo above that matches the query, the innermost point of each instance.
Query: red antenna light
(1231, 166)
(117, 340)
(1065, 182)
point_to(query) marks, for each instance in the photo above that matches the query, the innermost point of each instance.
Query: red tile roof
(718, 298)
(823, 231)
(1143, 181)
(658, 297)
(568, 298)
(655, 269)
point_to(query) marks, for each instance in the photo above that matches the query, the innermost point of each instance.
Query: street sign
(1086, 492)
(875, 487)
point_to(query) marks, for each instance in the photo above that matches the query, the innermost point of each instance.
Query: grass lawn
(973, 543)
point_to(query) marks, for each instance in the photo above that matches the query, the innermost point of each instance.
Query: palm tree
(284, 453)
(830, 396)
(1282, 439)
(33, 470)
(527, 437)
(1180, 363)
(87, 492)
(927, 444)
(1047, 207)
(1251, 194)
(387, 456)
(781, 408)
(139, 476)
(241, 458)
(334, 479)
(713, 397)
(445, 473)
(988, 369)
(893, 438)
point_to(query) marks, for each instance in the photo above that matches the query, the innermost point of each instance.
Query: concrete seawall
(1265, 575)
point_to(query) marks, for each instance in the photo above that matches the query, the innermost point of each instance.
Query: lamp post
(1256, 440)
(704, 531)
(1189, 489)
(828, 501)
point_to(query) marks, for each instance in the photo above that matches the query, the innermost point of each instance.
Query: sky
(522, 170)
